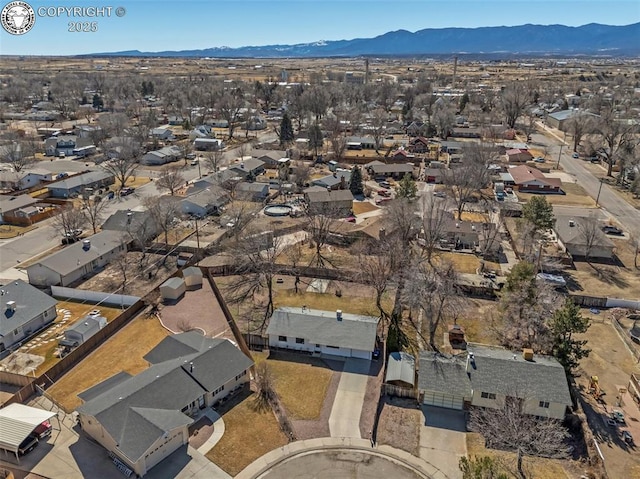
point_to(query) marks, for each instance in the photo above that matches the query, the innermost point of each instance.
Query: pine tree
(286, 130)
(355, 183)
(407, 188)
(539, 213)
(315, 138)
(566, 322)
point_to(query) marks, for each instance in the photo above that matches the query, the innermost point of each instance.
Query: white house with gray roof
(485, 376)
(142, 419)
(323, 332)
(74, 185)
(25, 310)
(78, 260)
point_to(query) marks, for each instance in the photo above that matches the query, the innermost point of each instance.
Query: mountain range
(532, 40)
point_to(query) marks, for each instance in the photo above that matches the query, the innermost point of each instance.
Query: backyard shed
(401, 369)
(192, 277)
(172, 289)
(79, 332)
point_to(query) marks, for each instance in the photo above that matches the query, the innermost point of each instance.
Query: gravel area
(309, 429)
(371, 398)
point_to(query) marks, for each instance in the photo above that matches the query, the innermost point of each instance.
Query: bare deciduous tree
(589, 234)
(164, 211)
(466, 180)
(171, 179)
(126, 163)
(93, 210)
(513, 99)
(434, 214)
(68, 221)
(19, 154)
(510, 427)
(265, 386)
(213, 159)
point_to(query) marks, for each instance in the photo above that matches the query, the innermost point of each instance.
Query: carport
(17, 421)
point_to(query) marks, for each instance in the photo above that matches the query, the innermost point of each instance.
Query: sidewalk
(301, 448)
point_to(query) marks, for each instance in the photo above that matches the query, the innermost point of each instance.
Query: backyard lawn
(249, 434)
(122, 352)
(296, 373)
(574, 195)
(360, 207)
(466, 263)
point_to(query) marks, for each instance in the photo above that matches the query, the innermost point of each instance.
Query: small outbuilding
(17, 422)
(79, 332)
(192, 277)
(401, 370)
(172, 289)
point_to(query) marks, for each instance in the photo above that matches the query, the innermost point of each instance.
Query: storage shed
(79, 332)
(401, 370)
(172, 289)
(192, 277)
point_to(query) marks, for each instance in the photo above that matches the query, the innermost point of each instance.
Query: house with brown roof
(528, 179)
(518, 155)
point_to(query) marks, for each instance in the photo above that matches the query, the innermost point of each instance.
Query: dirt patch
(371, 398)
(200, 431)
(399, 424)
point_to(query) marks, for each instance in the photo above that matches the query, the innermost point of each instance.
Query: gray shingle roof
(30, 302)
(247, 165)
(11, 203)
(324, 196)
(502, 371)
(333, 179)
(76, 255)
(393, 168)
(322, 327)
(577, 235)
(444, 374)
(138, 411)
(127, 220)
(77, 181)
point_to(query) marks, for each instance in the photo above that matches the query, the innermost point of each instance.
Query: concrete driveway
(443, 439)
(344, 420)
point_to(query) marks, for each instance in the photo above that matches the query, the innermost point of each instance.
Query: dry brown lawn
(476, 320)
(466, 262)
(122, 352)
(544, 468)
(249, 434)
(10, 231)
(399, 424)
(360, 207)
(327, 302)
(473, 216)
(293, 374)
(575, 196)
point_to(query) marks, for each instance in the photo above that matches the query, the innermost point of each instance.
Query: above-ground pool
(277, 210)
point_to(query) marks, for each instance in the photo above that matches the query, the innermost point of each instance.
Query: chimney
(471, 362)
(11, 305)
(339, 314)
(572, 223)
(86, 244)
(527, 354)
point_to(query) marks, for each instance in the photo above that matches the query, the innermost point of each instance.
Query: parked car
(110, 195)
(627, 437)
(194, 162)
(380, 201)
(575, 155)
(62, 175)
(27, 445)
(384, 184)
(613, 230)
(126, 191)
(539, 160)
(440, 194)
(43, 430)
(384, 193)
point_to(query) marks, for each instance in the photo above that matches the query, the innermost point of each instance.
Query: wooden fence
(399, 391)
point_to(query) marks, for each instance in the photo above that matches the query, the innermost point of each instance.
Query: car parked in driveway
(575, 155)
(613, 230)
(126, 191)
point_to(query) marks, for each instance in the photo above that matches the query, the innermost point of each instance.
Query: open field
(294, 374)
(248, 435)
(574, 195)
(122, 352)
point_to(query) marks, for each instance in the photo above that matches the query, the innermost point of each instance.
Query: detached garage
(443, 381)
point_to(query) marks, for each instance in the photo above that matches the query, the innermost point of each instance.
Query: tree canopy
(407, 187)
(566, 322)
(355, 183)
(539, 213)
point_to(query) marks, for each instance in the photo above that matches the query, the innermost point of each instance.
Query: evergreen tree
(355, 184)
(407, 188)
(286, 130)
(97, 102)
(463, 101)
(315, 138)
(566, 322)
(539, 213)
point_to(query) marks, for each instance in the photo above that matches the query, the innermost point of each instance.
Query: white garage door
(438, 399)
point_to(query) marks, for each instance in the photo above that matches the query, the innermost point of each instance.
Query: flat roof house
(73, 185)
(142, 419)
(324, 332)
(485, 376)
(25, 310)
(78, 260)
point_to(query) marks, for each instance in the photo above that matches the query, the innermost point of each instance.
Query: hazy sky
(185, 24)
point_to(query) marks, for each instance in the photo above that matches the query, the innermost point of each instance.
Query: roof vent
(11, 305)
(191, 367)
(473, 227)
(457, 225)
(86, 244)
(339, 314)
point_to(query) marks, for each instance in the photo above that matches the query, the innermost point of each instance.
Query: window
(220, 389)
(544, 404)
(282, 338)
(487, 395)
(243, 373)
(299, 340)
(333, 347)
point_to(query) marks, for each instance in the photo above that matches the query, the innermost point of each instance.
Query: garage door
(442, 400)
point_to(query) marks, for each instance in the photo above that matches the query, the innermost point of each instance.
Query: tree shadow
(608, 275)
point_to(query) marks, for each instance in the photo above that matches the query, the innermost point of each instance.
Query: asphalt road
(623, 212)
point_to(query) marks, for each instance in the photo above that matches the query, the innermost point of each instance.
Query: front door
(201, 402)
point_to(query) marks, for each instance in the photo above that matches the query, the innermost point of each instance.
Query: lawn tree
(213, 159)
(140, 233)
(355, 182)
(538, 214)
(315, 138)
(434, 217)
(68, 220)
(240, 214)
(123, 264)
(467, 180)
(433, 291)
(579, 125)
(317, 101)
(285, 133)
(377, 266)
(566, 322)
(378, 125)
(255, 258)
(615, 137)
(266, 93)
(513, 99)
(319, 230)
(337, 137)
(443, 118)
(125, 165)
(19, 154)
(293, 255)
(510, 428)
(483, 467)
(524, 308)
(93, 210)
(164, 212)
(300, 173)
(407, 187)
(229, 106)
(265, 386)
(589, 234)
(171, 179)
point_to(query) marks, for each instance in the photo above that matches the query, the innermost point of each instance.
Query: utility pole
(560, 152)
(599, 190)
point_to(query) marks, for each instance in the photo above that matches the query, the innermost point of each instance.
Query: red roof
(524, 174)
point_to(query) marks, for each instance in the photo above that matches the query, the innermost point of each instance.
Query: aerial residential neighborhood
(285, 263)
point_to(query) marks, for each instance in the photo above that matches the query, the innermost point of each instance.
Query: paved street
(627, 215)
